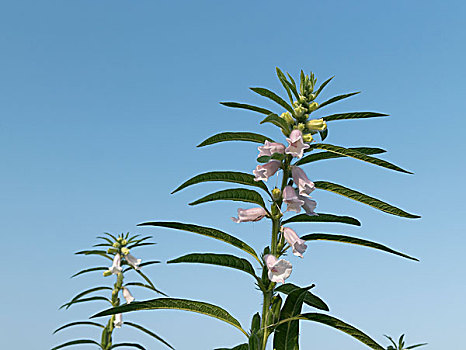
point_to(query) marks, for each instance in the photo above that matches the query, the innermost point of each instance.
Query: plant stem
(106, 340)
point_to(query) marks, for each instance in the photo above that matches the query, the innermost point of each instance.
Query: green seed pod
(255, 323)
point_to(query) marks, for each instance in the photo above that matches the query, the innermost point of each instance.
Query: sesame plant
(123, 262)
(278, 318)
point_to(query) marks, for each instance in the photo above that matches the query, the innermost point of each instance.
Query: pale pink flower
(263, 172)
(279, 270)
(115, 269)
(299, 246)
(253, 214)
(118, 321)
(296, 145)
(269, 148)
(127, 295)
(291, 199)
(133, 261)
(309, 205)
(305, 186)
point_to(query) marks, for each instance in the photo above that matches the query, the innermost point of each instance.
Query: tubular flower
(116, 268)
(299, 246)
(263, 172)
(316, 124)
(118, 321)
(309, 205)
(127, 295)
(270, 148)
(291, 199)
(133, 261)
(253, 214)
(279, 270)
(305, 186)
(296, 145)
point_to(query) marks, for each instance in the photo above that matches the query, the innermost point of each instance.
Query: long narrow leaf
(140, 273)
(277, 121)
(94, 252)
(145, 263)
(235, 136)
(233, 194)
(352, 240)
(274, 97)
(226, 176)
(353, 115)
(79, 323)
(329, 155)
(152, 334)
(309, 298)
(85, 300)
(208, 232)
(246, 106)
(131, 345)
(80, 295)
(321, 87)
(337, 98)
(285, 83)
(323, 218)
(363, 198)
(77, 342)
(177, 304)
(100, 268)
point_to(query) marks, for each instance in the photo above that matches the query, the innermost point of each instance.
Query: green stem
(106, 340)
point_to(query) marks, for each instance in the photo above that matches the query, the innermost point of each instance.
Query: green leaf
(226, 176)
(94, 252)
(77, 342)
(363, 198)
(225, 260)
(277, 121)
(321, 87)
(415, 346)
(337, 98)
(352, 240)
(208, 232)
(323, 134)
(139, 284)
(287, 85)
(274, 97)
(235, 136)
(286, 335)
(329, 155)
(323, 218)
(238, 347)
(79, 323)
(85, 300)
(88, 291)
(146, 263)
(149, 282)
(266, 159)
(106, 239)
(233, 194)
(353, 115)
(246, 106)
(342, 326)
(347, 152)
(145, 330)
(131, 345)
(309, 298)
(177, 304)
(100, 268)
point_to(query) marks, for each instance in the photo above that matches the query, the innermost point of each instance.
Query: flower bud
(287, 116)
(276, 194)
(119, 239)
(313, 106)
(301, 126)
(107, 273)
(125, 251)
(300, 111)
(316, 124)
(307, 138)
(124, 242)
(116, 244)
(111, 251)
(302, 99)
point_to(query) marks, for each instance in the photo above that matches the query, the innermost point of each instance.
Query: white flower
(133, 261)
(291, 199)
(263, 172)
(279, 270)
(118, 321)
(127, 295)
(305, 186)
(115, 269)
(269, 148)
(309, 205)
(296, 146)
(299, 246)
(253, 214)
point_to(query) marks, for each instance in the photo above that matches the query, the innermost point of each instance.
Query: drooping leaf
(353, 115)
(309, 298)
(77, 342)
(177, 304)
(321, 87)
(143, 285)
(145, 330)
(337, 98)
(78, 323)
(226, 176)
(363, 198)
(348, 152)
(321, 217)
(277, 121)
(329, 155)
(80, 295)
(131, 345)
(246, 106)
(100, 268)
(225, 260)
(274, 97)
(233, 194)
(342, 326)
(206, 231)
(94, 252)
(352, 240)
(235, 136)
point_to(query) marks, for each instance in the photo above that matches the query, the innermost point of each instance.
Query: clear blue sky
(103, 102)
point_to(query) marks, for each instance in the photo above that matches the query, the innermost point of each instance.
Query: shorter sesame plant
(123, 262)
(401, 344)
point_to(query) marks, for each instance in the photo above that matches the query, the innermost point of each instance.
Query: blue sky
(103, 102)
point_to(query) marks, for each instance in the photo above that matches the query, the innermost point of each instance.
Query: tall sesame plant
(278, 319)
